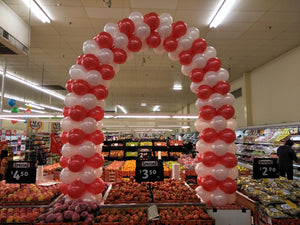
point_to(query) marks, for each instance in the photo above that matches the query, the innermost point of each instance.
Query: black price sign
(149, 170)
(265, 168)
(21, 172)
(145, 154)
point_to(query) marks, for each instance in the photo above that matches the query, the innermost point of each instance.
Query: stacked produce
(20, 215)
(175, 143)
(128, 169)
(116, 154)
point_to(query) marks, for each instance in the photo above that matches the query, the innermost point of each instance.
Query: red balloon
(222, 87)
(126, 26)
(79, 60)
(76, 163)
(66, 111)
(96, 187)
(28, 110)
(228, 160)
(120, 55)
(63, 137)
(199, 159)
(209, 159)
(80, 87)
(198, 46)
(100, 91)
(153, 40)
(96, 161)
(227, 135)
(97, 113)
(97, 137)
(170, 44)
(185, 57)
(90, 62)
(204, 91)
(69, 85)
(77, 113)
(197, 75)
(63, 188)
(207, 112)
(213, 64)
(76, 136)
(76, 189)
(209, 183)
(134, 44)
(104, 40)
(209, 135)
(228, 186)
(63, 161)
(227, 111)
(199, 181)
(107, 71)
(152, 19)
(179, 29)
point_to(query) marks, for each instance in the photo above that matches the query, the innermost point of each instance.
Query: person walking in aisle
(286, 157)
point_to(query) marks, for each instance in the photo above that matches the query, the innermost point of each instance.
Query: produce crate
(244, 200)
(265, 220)
(112, 175)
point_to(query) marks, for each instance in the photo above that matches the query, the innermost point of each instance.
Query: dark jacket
(286, 156)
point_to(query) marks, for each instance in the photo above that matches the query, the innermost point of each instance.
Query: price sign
(265, 168)
(145, 154)
(149, 170)
(21, 172)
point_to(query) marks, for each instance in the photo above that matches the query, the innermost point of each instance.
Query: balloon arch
(82, 160)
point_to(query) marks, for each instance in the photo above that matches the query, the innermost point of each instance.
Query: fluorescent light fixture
(32, 105)
(19, 120)
(156, 108)
(52, 107)
(37, 10)
(141, 126)
(144, 116)
(185, 117)
(21, 115)
(221, 12)
(185, 127)
(143, 104)
(122, 108)
(177, 87)
(32, 110)
(108, 116)
(114, 126)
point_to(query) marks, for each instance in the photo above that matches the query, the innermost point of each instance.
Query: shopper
(4, 162)
(286, 157)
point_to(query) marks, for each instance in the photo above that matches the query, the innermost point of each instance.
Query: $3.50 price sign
(151, 170)
(265, 168)
(21, 172)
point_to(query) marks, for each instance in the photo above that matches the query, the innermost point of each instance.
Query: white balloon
(99, 197)
(201, 124)
(202, 146)
(174, 56)
(111, 28)
(166, 18)
(164, 30)
(99, 148)
(185, 70)
(194, 86)
(120, 40)
(88, 197)
(202, 170)
(232, 148)
(218, 198)
(185, 42)
(199, 103)
(210, 52)
(87, 149)
(193, 33)
(77, 72)
(94, 78)
(99, 172)
(116, 67)
(105, 56)
(88, 125)
(100, 125)
(142, 30)
(218, 123)
(67, 176)
(90, 46)
(160, 49)
(68, 124)
(219, 172)
(228, 99)
(72, 99)
(129, 54)
(204, 195)
(223, 74)
(199, 60)
(144, 46)
(136, 17)
(210, 78)
(219, 147)
(88, 175)
(216, 100)
(233, 173)
(69, 150)
(88, 101)
(232, 124)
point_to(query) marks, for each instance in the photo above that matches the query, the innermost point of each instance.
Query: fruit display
(173, 191)
(131, 154)
(243, 171)
(175, 143)
(105, 154)
(30, 194)
(121, 216)
(187, 161)
(115, 165)
(175, 154)
(132, 144)
(146, 143)
(69, 211)
(128, 192)
(128, 169)
(163, 154)
(52, 168)
(184, 215)
(170, 164)
(116, 154)
(20, 215)
(167, 171)
(160, 143)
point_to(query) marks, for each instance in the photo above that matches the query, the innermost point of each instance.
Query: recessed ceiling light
(177, 87)
(143, 104)
(156, 108)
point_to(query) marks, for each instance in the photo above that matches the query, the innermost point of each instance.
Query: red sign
(7, 132)
(55, 144)
(14, 132)
(19, 141)
(35, 125)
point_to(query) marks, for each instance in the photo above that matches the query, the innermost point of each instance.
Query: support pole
(2, 89)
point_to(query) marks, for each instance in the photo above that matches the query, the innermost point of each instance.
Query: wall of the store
(275, 90)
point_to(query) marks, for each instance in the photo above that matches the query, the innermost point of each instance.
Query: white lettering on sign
(149, 163)
(35, 125)
(21, 165)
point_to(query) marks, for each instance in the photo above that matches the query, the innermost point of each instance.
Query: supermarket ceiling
(255, 32)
